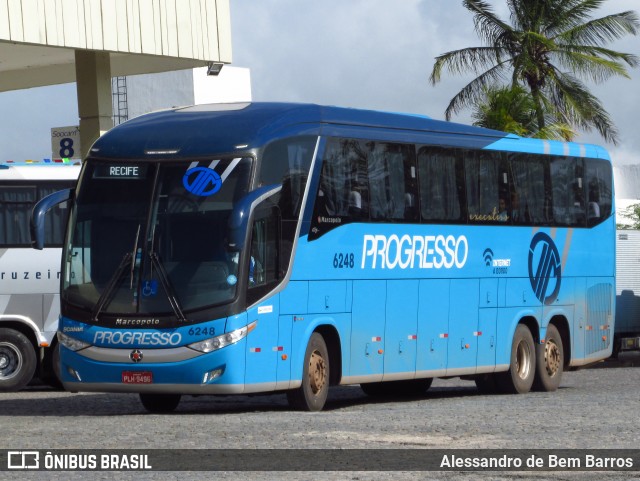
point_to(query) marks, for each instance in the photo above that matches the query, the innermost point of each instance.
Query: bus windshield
(150, 237)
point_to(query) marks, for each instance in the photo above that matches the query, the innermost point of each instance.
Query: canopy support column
(93, 76)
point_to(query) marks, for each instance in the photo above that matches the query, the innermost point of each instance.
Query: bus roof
(28, 171)
(217, 129)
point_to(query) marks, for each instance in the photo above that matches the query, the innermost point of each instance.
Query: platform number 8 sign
(66, 148)
(65, 142)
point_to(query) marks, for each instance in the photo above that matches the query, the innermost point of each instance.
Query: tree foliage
(512, 109)
(632, 213)
(549, 47)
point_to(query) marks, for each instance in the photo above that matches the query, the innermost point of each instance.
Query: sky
(378, 54)
(374, 54)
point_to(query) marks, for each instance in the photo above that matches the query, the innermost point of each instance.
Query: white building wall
(147, 93)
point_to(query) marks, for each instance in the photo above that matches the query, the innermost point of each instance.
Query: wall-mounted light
(214, 68)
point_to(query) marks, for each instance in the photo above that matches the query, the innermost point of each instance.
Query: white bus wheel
(17, 360)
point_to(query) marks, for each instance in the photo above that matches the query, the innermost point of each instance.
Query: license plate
(137, 377)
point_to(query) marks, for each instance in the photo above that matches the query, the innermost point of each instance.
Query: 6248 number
(343, 261)
(202, 331)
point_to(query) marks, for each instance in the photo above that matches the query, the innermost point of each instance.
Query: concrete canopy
(47, 42)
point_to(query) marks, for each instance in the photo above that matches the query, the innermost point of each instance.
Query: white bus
(29, 279)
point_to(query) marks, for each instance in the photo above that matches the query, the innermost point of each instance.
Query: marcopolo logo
(202, 181)
(544, 268)
(409, 252)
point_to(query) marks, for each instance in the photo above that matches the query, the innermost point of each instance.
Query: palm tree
(548, 47)
(512, 109)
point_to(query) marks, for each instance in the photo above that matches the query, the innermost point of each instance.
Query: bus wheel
(549, 362)
(51, 372)
(312, 395)
(160, 403)
(17, 360)
(410, 387)
(486, 383)
(519, 378)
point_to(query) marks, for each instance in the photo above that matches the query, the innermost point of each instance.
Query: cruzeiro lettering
(137, 338)
(414, 252)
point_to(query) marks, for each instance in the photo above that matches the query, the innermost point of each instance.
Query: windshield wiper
(111, 285)
(168, 287)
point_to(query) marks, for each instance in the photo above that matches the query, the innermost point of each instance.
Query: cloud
(378, 54)
(362, 53)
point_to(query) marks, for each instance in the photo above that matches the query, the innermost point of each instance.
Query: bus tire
(410, 387)
(312, 394)
(522, 366)
(160, 403)
(549, 362)
(51, 372)
(17, 360)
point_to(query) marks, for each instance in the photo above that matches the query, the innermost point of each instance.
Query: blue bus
(272, 247)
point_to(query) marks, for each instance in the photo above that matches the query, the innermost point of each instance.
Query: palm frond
(473, 90)
(581, 107)
(602, 30)
(583, 62)
(547, 46)
(487, 24)
(566, 14)
(472, 59)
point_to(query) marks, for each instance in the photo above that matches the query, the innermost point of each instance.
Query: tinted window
(392, 182)
(567, 192)
(441, 185)
(343, 193)
(488, 198)
(16, 203)
(530, 201)
(599, 190)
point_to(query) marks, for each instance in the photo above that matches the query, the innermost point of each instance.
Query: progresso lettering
(410, 252)
(137, 338)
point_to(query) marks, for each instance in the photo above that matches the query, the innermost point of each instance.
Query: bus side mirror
(239, 219)
(40, 211)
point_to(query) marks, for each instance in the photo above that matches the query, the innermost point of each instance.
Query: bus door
(368, 329)
(486, 333)
(433, 327)
(401, 329)
(263, 275)
(262, 343)
(598, 331)
(463, 326)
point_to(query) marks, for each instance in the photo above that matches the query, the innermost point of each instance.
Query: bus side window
(392, 182)
(16, 202)
(567, 188)
(343, 193)
(264, 253)
(441, 181)
(530, 201)
(599, 191)
(486, 186)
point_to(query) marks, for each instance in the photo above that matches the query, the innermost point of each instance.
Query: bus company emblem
(544, 268)
(202, 181)
(136, 355)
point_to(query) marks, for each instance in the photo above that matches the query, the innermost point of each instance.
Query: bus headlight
(223, 340)
(71, 343)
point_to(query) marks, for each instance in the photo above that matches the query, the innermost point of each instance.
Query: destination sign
(129, 171)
